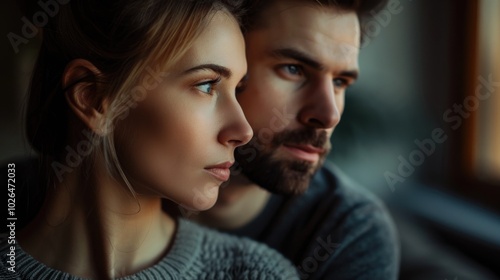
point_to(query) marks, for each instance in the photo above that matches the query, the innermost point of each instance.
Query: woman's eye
(207, 86)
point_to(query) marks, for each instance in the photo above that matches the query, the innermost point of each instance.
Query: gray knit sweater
(197, 253)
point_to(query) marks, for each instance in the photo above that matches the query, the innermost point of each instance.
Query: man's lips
(304, 152)
(220, 171)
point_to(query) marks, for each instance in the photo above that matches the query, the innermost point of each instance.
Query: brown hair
(365, 9)
(120, 38)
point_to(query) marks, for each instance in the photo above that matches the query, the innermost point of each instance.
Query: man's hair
(365, 9)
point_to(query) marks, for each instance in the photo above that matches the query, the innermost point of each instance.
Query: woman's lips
(220, 171)
(304, 152)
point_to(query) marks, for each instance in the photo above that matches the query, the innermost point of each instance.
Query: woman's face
(179, 141)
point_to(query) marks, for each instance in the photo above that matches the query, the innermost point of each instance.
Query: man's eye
(340, 83)
(293, 69)
(242, 85)
(291, 72)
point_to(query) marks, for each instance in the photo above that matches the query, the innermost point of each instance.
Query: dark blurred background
(421, 128)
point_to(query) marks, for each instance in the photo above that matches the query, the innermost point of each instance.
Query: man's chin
(285, 177)
(287, 172)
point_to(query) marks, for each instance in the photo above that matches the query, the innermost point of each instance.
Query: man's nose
(320, 108)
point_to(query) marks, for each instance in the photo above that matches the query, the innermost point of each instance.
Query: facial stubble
(259, 162)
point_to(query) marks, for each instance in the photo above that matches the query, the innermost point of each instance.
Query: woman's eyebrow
(221, 70)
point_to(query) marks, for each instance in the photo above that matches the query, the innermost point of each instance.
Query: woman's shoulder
(6, 274)
(240, 257)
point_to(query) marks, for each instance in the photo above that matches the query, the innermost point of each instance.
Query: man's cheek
(329, 133)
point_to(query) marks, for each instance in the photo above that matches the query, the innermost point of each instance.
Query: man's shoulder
(350, 210)
(333, 201)
(345, 230)
(331, 183)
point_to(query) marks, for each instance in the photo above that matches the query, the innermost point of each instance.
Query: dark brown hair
(365, 9)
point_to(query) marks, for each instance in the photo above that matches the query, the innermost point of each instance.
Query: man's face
(301, 59)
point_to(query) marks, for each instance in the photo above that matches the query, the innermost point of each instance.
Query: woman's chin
(200, 201)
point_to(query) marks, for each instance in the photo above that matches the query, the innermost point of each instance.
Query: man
(302, 55)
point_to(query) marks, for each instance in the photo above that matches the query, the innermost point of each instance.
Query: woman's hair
(123, 40)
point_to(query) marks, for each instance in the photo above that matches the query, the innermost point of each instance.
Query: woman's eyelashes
(207, 87)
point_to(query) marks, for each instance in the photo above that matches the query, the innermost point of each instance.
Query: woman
(131, 102)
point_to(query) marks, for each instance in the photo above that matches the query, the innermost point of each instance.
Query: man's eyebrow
(353, 74)
(297, 55)
(221, 70)
(304, 58)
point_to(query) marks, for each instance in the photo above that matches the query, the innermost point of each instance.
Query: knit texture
(197, 253)
(336, 230)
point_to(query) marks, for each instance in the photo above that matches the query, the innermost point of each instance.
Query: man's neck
(239, 202)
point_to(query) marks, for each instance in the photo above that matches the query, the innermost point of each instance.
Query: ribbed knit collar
(179, 259)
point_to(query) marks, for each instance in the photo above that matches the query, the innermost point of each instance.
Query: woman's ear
(83, 94)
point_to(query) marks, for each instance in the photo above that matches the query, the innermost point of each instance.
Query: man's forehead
(313, 19)
(323, 33)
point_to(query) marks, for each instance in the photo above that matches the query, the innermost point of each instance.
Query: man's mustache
(302, 137)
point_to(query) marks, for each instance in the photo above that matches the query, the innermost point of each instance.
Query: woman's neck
(91, 226)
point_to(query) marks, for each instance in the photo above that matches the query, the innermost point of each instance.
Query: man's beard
(258, 162)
